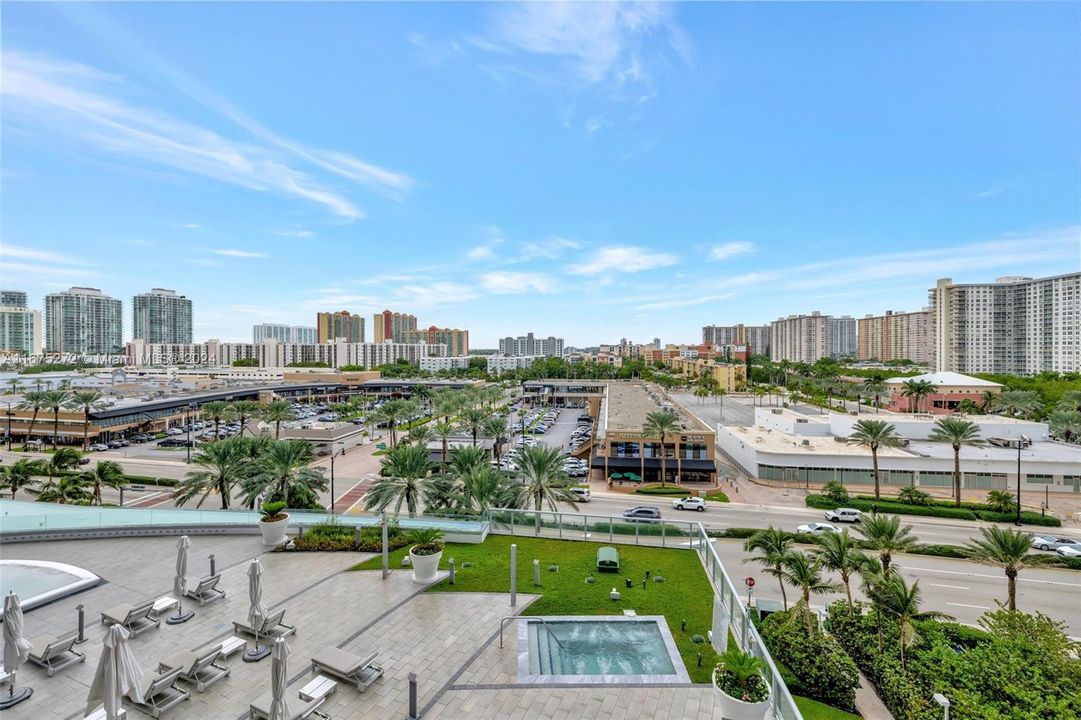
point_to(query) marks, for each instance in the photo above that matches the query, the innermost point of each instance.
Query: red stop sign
(749, 582)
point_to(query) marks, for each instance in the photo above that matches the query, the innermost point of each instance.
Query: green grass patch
(717, 496)
(814, 710)
(684, 595)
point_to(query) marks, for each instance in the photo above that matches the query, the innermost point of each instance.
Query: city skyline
(635, 169)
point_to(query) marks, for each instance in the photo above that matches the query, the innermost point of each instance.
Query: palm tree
(216, 410)
(421, 435)
(221, 468)
(65, 491)
(839, 552)
(987, 400)
(661, 424)
(1010, 550)
(804, 571)
(486, 487)
(465, 460)
(875, 386)
(282, 473)
(404, 479)
(874, 434)
(21, 473)
(771, 545)
(886, 536)
(392, 412)
(33, 400)
(86, 400)
(55, 400)
(105, 473)
(244, 410)
(473, 419)
(423, 395)
(278, 411)
(16, 386)
(1070, 400)
(1065, 424)
(58, 463)
(443, 431)
(1012, 402)
(957, 432)
(495, 427)
(918, 390)
(543, 481)
(894, 596)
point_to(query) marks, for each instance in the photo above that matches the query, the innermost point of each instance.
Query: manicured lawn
(814, 710)
(684, 595)
(717, 497)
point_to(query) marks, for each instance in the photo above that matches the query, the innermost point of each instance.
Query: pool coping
(85, 580)
(679, 677)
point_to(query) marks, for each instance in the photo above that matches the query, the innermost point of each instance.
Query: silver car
(1051, 542)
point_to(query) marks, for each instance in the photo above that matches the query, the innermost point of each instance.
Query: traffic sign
(749, 582)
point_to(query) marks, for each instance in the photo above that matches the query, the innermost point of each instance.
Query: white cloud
(626, 258)
(687, 302)
(516, 283)
(191, 226)
(68, 99)
(30, 271)
(481, 252)
(28, 253)
(230, 252)
(550, 249)
(731, 249)
(293, 233)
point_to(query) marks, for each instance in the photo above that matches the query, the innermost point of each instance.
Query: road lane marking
(978, 607)
(954, 587)
(996, 577)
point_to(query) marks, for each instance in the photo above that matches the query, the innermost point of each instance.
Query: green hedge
(965, 512)
(823, 670)
(666, 490)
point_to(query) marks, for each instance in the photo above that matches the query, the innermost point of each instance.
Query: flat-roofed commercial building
(161, 316)
(896, 336)
(339, 325)
(83, 320)
(1015, 325)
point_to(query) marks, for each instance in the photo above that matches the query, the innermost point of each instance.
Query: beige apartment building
(339, 325)
(800, 338)
(729, 377)
(456, 341)
(390, 326)
(896, 336)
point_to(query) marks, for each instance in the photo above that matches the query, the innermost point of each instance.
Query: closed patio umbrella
(180, 581)
(118, 674)
(279, 708)
(16, 648)
(257, 611)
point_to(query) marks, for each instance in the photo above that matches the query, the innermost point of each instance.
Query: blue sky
(592, 171)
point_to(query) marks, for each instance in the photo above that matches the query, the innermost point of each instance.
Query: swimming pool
(37, 582)
(598, 649)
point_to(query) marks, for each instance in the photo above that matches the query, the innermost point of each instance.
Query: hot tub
(38, 582)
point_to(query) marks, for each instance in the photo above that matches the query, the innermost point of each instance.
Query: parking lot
(558, 435)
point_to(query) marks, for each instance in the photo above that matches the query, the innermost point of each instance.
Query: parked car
(174, 431)
(115, 444)
(849, 515)
(582, 493)
(643, 512)
(689, 503)
(175, 442)
(1069, 551)
(98, 447)
(817, 528)
(1052, 542)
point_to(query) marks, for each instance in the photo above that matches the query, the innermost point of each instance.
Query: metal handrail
(503, 622)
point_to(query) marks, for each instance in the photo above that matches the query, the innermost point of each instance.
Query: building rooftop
(950, 379)
(628, 403)
(768, 440)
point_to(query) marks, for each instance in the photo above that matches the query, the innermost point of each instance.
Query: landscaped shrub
(948, 551)
(835, 491)
(824, 671)
(666, 490)
(886, 506)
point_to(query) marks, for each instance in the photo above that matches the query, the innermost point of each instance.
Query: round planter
(274, 532)
(424, 566)
(735, 709)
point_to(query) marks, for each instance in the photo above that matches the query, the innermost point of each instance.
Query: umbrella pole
(257, 653)
(14, 698)
(180, 616)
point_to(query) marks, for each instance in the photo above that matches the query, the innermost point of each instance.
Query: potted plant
(273, 523)
(739, 680)
(425, 553)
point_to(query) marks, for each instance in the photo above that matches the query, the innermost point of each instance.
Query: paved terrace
(449, 640)
(628, 404)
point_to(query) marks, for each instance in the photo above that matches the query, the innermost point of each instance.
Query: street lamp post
(9, 427)
(187, 419)
(1020, 442)
(333, 454)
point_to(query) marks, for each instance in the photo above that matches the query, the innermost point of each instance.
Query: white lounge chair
(54, 655)
(204, 590)
(360, 671)
(298, 709)
(160, 692)
(133, 618)
(198, 668)
(271, 629)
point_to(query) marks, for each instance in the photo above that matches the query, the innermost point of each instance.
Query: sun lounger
(607, 559)
(160, 692)
(54, 655)
(198, 668)
(133, 618)
(204, 590)
(298, 709)
(272, 627)
(360, 671)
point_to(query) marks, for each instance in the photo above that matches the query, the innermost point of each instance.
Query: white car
(689, 503)
(98, 447)
(1067, 551)
(817, 528)
(843, 515)
(1051, 542)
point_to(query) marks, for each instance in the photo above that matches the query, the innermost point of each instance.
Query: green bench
(607, 560)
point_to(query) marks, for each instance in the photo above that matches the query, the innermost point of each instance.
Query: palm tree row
(56, 480)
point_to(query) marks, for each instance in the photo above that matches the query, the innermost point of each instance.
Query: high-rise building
(299, 334)
(529, 346)
(800, 338)
(390, 326)
(758, 337)
(1015, 325)
(20, 327)
(842, 333)
(161, 316)
(457, 341)
(339, 325)
(83, 320)
(895, 336)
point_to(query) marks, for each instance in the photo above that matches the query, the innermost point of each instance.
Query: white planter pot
(424, 566)
(735, 709)
(274, 532)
